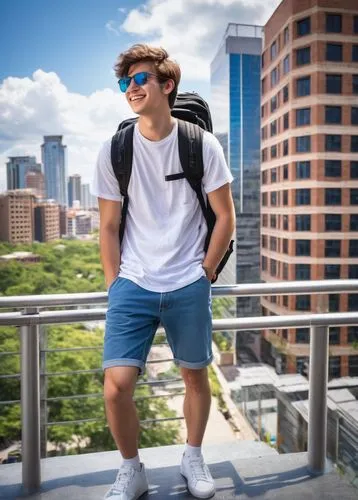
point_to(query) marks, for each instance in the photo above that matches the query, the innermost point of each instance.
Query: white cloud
(33, 107)
(191, 30)
(111, 26)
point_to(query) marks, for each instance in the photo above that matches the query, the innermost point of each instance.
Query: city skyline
(65, 85)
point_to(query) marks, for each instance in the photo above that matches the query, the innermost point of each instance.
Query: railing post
(30, 405)
(317, 415)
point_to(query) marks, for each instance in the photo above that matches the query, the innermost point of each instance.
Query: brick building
(47, 222)
(17, 216)
(309, 170)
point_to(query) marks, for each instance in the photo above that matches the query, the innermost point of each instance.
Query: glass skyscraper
(16, 169)
(55, 167)
(235, 105)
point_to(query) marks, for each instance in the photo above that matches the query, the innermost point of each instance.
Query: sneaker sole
(196, 495)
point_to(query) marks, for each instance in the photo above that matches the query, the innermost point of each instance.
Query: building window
(274, 77)
(303, 56)
(303, 116)
(262, 111)
(273, 128)
(332, 271)
(304, 26)
(264, 220)
(353, 270)
(303, 302)
(353, 225)
(334, 84)
(334, 367)
(285, 222)
(273, 244)
(334, 334)
(285, 272)
(354, 143)
(352, 334)
(333, 23)
(303, 144)
(332, 248)
(264, 155)
(302, 335)
(355, 53)
(303, 196)
(286, 65)
(303, 222)
(273, 50)
(355, 24)
(333, 302)
(273, 151)
(303, 247)
(263, 133)
(286, 35)
(333, 222)
(285, 93)
(264, 199)
(303, 169)
(273, 103)
(352, 302)
(285, 121)
(285, 172)
(273, 198)
(303, 86)
(334, 52)
(273, 221)
(355, 84)
(263, 85)
(285, 147)
(333, 114)
(274, 175)
(354, 196)
(353, 248)
(285, 245)
(285, 198)
(333, 142)
(263, 59)
(264, 263)
(354, 115)
(354, 169)
(273, 267)
(332, 168)
(353, 366)
(333, 196)
(303, 271)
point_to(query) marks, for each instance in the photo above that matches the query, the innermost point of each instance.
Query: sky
(56, 64)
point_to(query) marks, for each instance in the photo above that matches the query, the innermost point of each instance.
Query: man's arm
(110, 216)
(223, 206)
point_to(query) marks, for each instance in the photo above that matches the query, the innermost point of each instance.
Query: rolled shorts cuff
(111, 363)
(194, 366)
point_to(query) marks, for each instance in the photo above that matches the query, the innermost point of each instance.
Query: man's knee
(195, 380)
(119, 382)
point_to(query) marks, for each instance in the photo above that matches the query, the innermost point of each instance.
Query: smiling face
(150, 98)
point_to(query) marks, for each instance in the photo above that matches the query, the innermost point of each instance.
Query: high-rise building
(47, 221)
(74, 189)
(310, 171)
(235, 105)
(35, 181)
(17, 168)
(86, 201)
(17, 216)
(55, 168)
(63, 221)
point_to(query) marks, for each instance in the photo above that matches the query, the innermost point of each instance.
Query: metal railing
(31, 317)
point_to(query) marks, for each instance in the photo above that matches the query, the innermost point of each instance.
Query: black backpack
(194, 117)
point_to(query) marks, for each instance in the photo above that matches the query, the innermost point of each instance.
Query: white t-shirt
(163, 244)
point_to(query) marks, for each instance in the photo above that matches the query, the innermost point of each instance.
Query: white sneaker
(196, 472)
(130, 484)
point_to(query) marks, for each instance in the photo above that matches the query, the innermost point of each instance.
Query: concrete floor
(242, 470)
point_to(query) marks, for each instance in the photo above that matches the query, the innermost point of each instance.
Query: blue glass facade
(54, 162)
(17, 168)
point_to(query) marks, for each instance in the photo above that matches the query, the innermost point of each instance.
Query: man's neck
(156, 129)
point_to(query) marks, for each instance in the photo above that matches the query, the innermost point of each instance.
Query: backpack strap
(122, 158)
(190, 142)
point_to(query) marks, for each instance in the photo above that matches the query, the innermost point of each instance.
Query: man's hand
(210, 273)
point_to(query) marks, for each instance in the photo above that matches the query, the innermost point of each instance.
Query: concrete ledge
(242, 470)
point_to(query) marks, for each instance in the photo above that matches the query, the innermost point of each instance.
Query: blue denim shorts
(134, 315)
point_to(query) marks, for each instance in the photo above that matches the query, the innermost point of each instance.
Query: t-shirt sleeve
(104, 183)
(216, 171)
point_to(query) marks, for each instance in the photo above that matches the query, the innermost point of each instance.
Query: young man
(160, 274)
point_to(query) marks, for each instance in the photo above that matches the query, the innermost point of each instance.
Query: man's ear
(168, 86)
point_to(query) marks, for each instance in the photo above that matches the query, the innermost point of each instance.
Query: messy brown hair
(166, 69)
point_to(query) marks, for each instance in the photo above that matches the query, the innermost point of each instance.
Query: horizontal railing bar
(15, 353)
(247, 323)
(99, 419)
(240, 290)
(12, 375)
(99, 395)
(5, 403)
(70, 349)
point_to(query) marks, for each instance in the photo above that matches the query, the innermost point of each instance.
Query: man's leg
(119, 385)
(196, 403)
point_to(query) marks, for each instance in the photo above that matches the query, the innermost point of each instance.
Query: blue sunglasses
(139, 79)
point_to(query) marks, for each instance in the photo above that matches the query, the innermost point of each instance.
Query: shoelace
(123, 478)
(198, 469)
